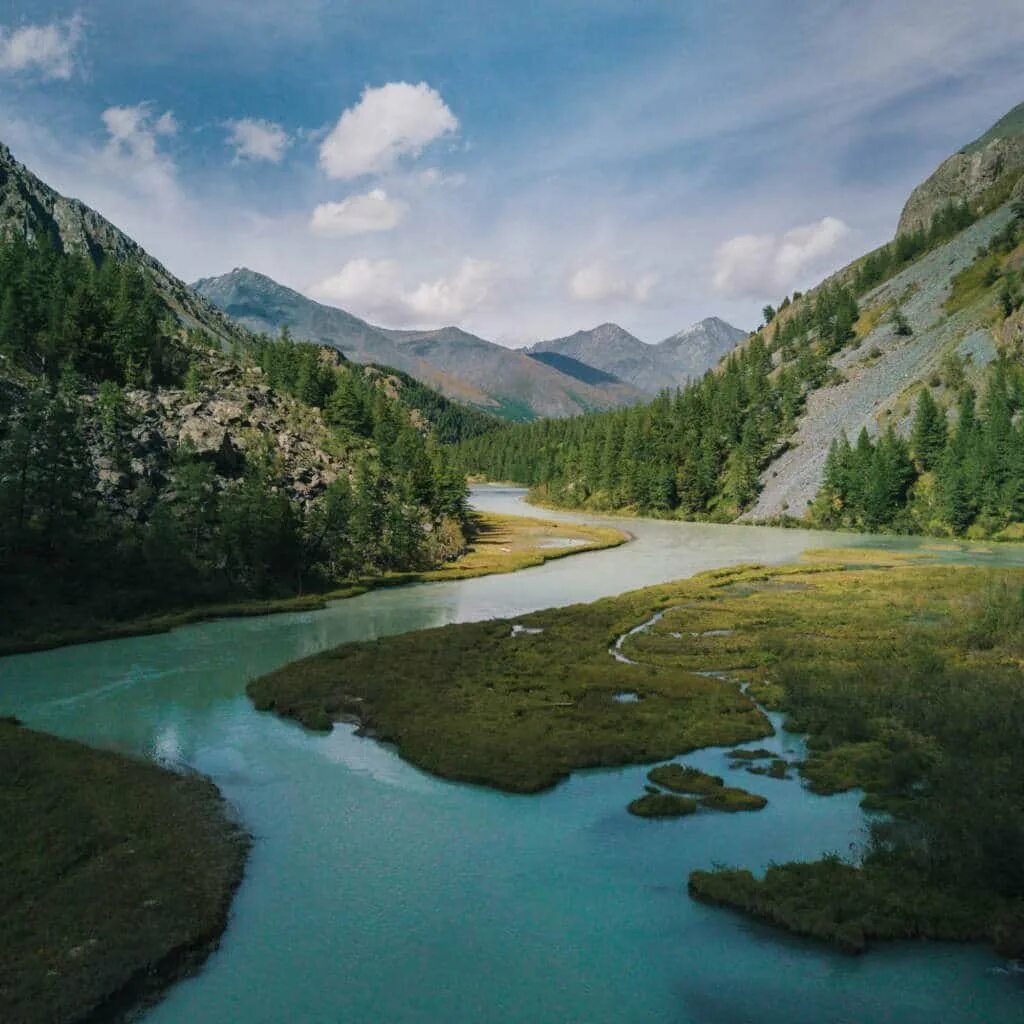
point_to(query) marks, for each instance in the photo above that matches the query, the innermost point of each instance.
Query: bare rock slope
(881, 375)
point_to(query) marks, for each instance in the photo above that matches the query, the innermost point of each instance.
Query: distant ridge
(651, 368)
(466, 368)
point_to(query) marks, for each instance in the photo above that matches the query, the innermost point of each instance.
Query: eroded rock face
(232, 418)
(967, 175)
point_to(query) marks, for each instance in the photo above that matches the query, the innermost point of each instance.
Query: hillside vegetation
(936, 310)
(144, 468)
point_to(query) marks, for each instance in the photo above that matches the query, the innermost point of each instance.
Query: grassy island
(662, 805)
(115, 878)
(906, 676)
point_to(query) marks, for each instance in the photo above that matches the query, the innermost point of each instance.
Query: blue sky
(520, 169)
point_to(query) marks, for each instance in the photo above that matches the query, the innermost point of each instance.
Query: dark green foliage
(349, 392)
(900, 323)
(881, 264)
(975, 472)
(104, 320)
(71, 335)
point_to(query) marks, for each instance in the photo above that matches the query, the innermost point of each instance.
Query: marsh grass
(905, 675)
(115, 878)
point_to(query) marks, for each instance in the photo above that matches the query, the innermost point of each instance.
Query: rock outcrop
(967, 175)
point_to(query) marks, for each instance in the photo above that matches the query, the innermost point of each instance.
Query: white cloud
(597, 282)
(45, 50)
(389, 122)
(466, 290)
(255, 139)
(133, 130)
(767, 266)
(132, 152)
(166, 124)
(375, 289)
(358, 214)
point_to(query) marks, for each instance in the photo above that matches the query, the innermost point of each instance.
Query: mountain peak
(614, 351)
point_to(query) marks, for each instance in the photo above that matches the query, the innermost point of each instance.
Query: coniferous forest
(699, 453)
(82, 344)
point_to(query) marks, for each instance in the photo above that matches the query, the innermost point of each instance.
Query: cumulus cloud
(255, 139)
(766, 266)
(132, 152)
(597, 282)
(376, 289)
(133, 130)
(395, 120)
(48, 51)
(358, 214)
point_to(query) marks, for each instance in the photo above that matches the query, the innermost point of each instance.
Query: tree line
(959, 479)
(696, 452)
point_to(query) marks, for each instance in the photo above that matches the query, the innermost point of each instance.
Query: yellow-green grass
(115, 878)
(509, 543)
(500, 544)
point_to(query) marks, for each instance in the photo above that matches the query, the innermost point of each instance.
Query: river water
(376, 893)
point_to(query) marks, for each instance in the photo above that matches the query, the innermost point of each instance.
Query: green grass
(731, 799)
(115, 878)
(683, 779)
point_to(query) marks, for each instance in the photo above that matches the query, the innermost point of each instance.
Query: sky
(522, 170)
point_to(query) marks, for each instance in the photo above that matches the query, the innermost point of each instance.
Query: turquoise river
(376, 893)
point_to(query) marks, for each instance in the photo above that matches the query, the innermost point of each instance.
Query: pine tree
(929, 434)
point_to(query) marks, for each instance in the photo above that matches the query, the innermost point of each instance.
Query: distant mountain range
(600, 369)
(650, 368)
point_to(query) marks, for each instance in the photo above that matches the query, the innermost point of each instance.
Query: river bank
(499, 544)
(903, 673)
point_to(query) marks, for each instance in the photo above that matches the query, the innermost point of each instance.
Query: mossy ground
(662, 805)
(115, 878)
(500, 544)
(683, 779)
(714, 794)
(906, 676)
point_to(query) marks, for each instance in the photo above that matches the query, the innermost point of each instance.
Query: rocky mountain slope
(995, 157)
(460, 365)
(677, 359)
(30, 209)
(877, 380)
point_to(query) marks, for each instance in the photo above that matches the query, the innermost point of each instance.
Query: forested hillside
(918, 322)
(144, 468)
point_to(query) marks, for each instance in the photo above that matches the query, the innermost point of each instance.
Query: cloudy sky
(520, 169)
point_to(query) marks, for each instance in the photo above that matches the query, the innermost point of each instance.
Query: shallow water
(377, 893)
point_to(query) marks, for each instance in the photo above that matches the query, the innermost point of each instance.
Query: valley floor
(905, 674)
